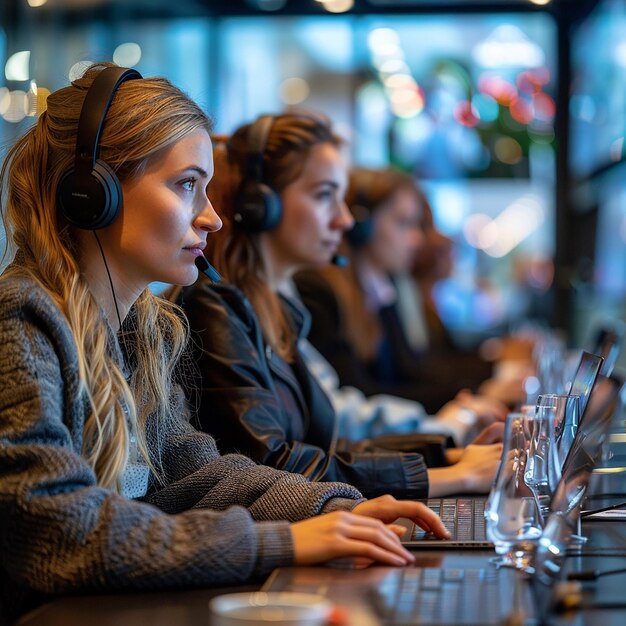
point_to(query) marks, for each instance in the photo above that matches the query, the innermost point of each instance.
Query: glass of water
(514, 522)
(541, 472)
(566, 419)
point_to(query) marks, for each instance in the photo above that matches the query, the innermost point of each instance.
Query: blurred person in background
(417, 309)
(366, 319)
(279, 188)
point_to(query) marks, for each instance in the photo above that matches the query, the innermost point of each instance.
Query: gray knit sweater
(211, 524)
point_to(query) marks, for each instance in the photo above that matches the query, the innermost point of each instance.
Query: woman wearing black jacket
(279, 189)
(359, 322)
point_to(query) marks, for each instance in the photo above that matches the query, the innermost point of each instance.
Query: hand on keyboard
(387, 509)
(342, 534)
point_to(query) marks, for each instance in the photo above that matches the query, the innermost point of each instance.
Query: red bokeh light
(522, 111)
(466, 114)
(501, 90)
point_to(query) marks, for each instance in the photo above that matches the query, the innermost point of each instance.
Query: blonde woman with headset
(103, 483)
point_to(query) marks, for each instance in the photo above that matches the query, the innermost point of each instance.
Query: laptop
(479, 595)
(579, 464)
(585, 377)
(425, 595)
(607, 344)
(464, 516)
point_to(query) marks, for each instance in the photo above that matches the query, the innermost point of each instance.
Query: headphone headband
(257, 207)
(257, 143)
(361, 209)
(93, 113)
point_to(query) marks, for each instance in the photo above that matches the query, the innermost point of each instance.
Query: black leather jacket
(253, 402)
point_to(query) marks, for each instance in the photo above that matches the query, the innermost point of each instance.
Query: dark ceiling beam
(14, 11)
(570, 10)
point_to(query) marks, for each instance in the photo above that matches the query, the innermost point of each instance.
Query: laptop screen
(585, 377)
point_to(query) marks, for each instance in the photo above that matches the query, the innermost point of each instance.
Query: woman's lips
(194, 251)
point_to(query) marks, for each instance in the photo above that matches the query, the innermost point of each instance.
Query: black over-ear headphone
(361, 233)
(90, 194)
(257, 206)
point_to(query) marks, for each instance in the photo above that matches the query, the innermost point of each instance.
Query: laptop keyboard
(437, 597)
(463, 517)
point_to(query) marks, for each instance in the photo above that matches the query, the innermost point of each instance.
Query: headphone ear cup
(361, 233)
(273, 207)
(258, 208)
(93, 201)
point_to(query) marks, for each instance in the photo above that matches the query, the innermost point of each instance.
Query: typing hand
(473, 472)
(487, 410)
(387, 509)
(342, 534)
(494, 433)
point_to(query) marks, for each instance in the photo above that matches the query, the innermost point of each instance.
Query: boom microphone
(207, 269)
(340, 260)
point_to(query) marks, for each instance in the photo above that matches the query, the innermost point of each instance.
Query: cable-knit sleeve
(60, 531)
(199, 477)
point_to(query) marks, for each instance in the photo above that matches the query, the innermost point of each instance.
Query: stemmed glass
(541, 474)
(514, 521)
(567, 418)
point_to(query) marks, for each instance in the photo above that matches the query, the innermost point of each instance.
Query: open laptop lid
(582, 385)
(579, 464)
(585, 378)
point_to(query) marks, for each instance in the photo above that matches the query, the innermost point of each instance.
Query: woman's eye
(189, 184)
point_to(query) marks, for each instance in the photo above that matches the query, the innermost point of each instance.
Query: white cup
(277, 607)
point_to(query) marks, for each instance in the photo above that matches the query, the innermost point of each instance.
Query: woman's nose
(208, 219)
(417, 238)
(344, 219)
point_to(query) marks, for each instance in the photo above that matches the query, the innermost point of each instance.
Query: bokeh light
(466, 114)
(16, 67)
(486, 107)
(337, 6)
(5, 100)
(498, 88)
(474, 228)
(545, 108)
(78, 69)
(127, 54)
(294, 90)
(522, 111)
(18, 106)
(507, 150)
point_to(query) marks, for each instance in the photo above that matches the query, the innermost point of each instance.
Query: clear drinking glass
(562, 528)
(541, 473)
(566, 422)
(514, 522)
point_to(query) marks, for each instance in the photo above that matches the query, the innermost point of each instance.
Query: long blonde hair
(146, 117)
(237, 252)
